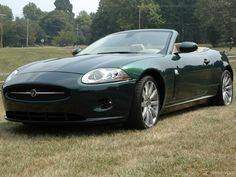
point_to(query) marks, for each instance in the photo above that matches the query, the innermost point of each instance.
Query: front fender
(162, 69)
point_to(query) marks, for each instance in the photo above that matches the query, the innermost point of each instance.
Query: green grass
(10, 59)
(198, 142)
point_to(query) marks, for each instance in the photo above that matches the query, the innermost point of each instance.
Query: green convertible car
(131, 77)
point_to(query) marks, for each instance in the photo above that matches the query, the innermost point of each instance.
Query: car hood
(85, 63)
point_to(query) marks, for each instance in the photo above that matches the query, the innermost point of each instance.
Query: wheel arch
(160, 81)
(229, 68)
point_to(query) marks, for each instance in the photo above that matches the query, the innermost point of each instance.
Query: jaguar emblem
(33, 93)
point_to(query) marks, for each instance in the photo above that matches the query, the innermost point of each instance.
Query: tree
(64, 38)
(117, 15)
(6, 12)
(231, 25)
(213, 35)
(217, 26)
(16, 33)
(65, 6)
(151, 15)
(83, 27)
(5, 18)
(36, 33)
(54, 22)
(32, 12)
(179, 15)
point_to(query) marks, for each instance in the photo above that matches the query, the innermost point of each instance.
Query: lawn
(10, 58)
(198, 142)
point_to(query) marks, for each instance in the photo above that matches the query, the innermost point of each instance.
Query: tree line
(212, 21)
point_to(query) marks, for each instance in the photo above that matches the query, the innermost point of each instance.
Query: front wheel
(225, 92)
(146, 104)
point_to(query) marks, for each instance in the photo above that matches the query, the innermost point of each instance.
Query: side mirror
(186, 47)
(76, 51)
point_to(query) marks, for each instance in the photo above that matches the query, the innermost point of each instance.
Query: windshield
(131, 42)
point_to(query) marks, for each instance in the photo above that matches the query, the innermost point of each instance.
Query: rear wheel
(146, 104)
(225, 92)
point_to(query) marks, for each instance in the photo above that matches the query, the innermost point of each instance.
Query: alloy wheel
(227, 89)
(150, 103)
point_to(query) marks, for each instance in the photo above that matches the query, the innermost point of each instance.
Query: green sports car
(131, 77)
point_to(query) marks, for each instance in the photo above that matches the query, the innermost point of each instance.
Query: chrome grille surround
(37, 93)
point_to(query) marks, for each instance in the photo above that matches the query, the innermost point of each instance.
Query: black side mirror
(76, 51)
(186, 47)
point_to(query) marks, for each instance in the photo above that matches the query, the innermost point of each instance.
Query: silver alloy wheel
(150, 103)
(227, 89)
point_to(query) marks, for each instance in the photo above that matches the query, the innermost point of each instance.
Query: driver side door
(193, 76)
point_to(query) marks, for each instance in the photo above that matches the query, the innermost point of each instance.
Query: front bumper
(83, 104)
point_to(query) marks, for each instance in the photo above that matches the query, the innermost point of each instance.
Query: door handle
(206, 61)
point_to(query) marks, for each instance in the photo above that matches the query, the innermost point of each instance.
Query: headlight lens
(11, 75)
(105, 75)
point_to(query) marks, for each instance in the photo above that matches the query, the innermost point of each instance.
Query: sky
(48, 5)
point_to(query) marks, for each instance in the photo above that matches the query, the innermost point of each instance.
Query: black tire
(224, 97)
(144, 111)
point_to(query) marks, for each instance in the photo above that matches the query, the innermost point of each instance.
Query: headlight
(11, 75)
(104, 75)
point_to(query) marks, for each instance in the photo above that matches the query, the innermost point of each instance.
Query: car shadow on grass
(80, 130)
(183, 111)
(60, 130)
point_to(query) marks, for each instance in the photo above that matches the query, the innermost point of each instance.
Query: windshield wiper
(119, 52)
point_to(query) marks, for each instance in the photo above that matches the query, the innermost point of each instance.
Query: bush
(65, 38)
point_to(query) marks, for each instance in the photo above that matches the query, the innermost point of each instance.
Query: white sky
(48, 5)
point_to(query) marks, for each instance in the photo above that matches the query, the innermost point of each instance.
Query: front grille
(43, 117)
(37, 93)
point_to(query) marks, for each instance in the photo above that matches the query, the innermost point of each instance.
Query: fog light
(104, 105)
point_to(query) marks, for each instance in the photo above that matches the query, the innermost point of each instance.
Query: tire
(224, 95)
(146, 104)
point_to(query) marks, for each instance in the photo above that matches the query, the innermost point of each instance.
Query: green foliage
(54, 22)
(179, 15)
(65, 38)
(65, 6)
(213, 35)
(117, 15)
(212, 21)
(15, 33)
(83, 27)
(5, 18)
(32, 12)
(6, 13)
(151, 17)
(218, 20)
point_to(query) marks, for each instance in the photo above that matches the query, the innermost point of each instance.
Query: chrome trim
(176, 72)
(189, 101)
(102, 119)
(38, 93)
